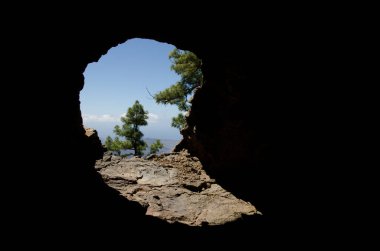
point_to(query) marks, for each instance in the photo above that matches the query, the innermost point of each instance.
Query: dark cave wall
(230, 120)
(256, 70)
(233, 122)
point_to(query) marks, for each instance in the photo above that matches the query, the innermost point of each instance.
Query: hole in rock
(137, 98)
(137, 70)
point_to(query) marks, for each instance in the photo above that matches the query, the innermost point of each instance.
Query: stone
(174, 187)
(93, 143)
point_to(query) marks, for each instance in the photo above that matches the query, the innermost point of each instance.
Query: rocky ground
(173, 187)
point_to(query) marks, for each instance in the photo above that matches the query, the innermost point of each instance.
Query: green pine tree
(188, 66)
(135, 117)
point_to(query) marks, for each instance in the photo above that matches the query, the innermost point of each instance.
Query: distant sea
(169, 145)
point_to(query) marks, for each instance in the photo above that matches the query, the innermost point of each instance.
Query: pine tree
(188, 66)
(135, 117)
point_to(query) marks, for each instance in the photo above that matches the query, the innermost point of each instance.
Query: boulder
(94, 144)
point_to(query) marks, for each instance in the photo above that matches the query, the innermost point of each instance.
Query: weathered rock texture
(173, 187)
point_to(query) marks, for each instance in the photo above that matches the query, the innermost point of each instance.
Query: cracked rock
(173, 187)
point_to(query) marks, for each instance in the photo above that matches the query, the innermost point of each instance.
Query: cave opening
(136, 70)
(175, 186)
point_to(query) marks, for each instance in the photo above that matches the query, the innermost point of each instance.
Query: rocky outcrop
(94, 143)
(173, 187)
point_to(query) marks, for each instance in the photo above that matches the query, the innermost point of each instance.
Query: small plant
(156, 146)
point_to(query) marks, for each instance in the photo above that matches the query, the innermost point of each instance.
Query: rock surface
(173, 187)
(93, 143)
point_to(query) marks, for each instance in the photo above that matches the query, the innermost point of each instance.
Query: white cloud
(100, 118)
(152, 118)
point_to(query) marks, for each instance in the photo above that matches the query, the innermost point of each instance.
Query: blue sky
(123, 76)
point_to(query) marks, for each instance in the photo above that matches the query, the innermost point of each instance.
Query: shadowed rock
(93, 143)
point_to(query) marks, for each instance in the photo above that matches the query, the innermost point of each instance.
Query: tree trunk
(135, 147)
